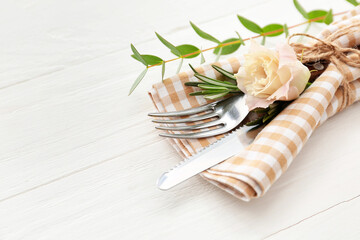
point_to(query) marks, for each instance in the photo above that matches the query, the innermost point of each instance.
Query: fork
(224, 115)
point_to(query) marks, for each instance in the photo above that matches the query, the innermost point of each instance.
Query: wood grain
(79, 158)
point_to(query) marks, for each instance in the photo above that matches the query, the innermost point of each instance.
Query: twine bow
(329, 49)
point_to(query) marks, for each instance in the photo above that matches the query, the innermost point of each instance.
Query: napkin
(251, 172)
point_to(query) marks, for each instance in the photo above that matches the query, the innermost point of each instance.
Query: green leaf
(187, 49)
(197, 93)
(192, 68)
(229, 48)
(180, 65)
(269, 117)
(286, 30)
(203, 34)
(149, 59)
(273, 27)
(250, 25)
(169, 45)
(218, 54)
(301, 9)
(137, 55)
(329, 17)
(308, 84)
(215, 82)
(211, 87)
(202, 58)
(192, 84)
(254, 122)
(215, 95)
(162, 70)
(353, 2)
(138, 80)
(316, 14)
(205, 92)
(240, 39)
(263, 40)
(224, 72)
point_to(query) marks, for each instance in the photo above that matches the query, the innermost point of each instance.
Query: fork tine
(203, 134)
(192, 127)
(185, 112)
(189, 119)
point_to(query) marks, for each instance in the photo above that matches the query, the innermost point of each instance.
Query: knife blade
(215, 153)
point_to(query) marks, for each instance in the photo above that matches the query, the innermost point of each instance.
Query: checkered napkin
(253, 170)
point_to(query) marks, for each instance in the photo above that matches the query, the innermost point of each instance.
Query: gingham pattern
(250, 173)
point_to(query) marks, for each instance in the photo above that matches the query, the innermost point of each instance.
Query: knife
(219, 151)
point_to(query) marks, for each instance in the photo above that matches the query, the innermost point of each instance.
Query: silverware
(215, 153)
(223, 115)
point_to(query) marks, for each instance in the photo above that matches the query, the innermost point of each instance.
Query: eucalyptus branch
(230, 45)
(253, 37)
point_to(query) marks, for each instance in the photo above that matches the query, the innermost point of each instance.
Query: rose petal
(286, 54)
(254, 102)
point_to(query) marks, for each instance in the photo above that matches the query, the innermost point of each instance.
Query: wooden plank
(119, 198)
(79, 158)
(44, 37)
(46, 122)
(340, 221)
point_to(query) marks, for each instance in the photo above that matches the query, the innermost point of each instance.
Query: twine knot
(328, 49)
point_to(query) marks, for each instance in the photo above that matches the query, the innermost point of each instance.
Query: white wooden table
(79, 158)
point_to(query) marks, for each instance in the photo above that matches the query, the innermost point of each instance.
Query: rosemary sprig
(212, 88)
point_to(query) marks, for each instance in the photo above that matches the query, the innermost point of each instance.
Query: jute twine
(328, 49)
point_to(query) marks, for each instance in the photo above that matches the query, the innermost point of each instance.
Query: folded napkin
(253, 170)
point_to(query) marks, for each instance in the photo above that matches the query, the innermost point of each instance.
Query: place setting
(240, 123)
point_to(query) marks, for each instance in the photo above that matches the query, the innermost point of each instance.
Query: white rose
(269, 75)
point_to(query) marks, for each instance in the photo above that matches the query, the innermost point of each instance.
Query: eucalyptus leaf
(168, 45)
(138, 80)
(250, 25)
(218, 54)
(203, 34)
(301, 9)
(180, 65)
(162, 70)
(137, 55)
(240, 39)
(202, 58)
(187, 49)
(306, 30)
(149, 59)
(229, 48)
(273, 27)
(286, 30)
(329, 17)
(353, 2)
(263, 40)
(316, 14)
